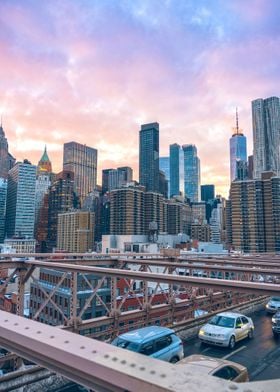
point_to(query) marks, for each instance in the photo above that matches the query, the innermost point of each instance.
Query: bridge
(209, 284)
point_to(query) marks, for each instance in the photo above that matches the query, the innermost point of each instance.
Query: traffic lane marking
(234, 352)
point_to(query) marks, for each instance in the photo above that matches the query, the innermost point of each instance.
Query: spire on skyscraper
(236, 116)
(44, 165)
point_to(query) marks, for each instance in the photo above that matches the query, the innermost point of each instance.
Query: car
(227, 328)
(154, 341)
(275, 323)
(273, 305)
(216, 367)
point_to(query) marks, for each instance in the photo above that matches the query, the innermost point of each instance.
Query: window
(238, 322)
(163, 342)
(244, 320)
(227, 373)
(147, 349)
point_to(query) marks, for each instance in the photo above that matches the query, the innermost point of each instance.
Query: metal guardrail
(106, 368)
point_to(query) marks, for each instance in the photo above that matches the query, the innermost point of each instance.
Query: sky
(93, 71)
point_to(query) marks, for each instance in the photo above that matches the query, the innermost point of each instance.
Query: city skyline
(186, 65)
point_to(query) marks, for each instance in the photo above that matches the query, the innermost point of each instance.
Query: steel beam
(103, 367)
(218, 284)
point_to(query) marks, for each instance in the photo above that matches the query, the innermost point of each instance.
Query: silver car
(273, 305)
(225, 329)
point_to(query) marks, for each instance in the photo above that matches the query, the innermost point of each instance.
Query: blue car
(156, 342)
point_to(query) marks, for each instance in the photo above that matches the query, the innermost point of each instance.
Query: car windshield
(276, 299)
(126, 344)
(222, 321)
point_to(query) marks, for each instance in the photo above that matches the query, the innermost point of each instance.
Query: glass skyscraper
(82, 161)
(238, 151)
(20, 212)
(165, 168)
(149, 157)
(191, 172)
(3, 199)
(176, 157)
(207, 192)
(266, 135)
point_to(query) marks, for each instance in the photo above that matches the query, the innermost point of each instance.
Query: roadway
(260, 355)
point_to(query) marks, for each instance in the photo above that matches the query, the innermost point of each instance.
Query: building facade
(3, 200)
(75, 231)
(207, 192)
(82, 161)
(57, 315)
(164, 166)
(43, 182)
(20, 210)
(149, 157)
(255, 214)
(266, 135)
(61, 198)
(238, 151)
(191, 172)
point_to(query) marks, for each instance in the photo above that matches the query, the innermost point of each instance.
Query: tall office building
(164, 166)
(255, 214)
(149, 157)
(20, 213)
(266, 135)
(75, 231)
(116, 178)
(7, 161)
(61, 198)
(238, 150)
(250, 167)
(3, 199)
(82, 161)
(191, 172)
(174, 156)
(163, 184)
(207, 192)
(43, 182)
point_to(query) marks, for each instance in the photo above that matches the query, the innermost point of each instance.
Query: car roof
(230, 314)
(145, 334)
(207, 365)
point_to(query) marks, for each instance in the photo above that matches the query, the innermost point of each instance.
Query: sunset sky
(94, 71)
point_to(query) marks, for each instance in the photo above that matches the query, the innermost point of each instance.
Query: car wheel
(250, 334)
(174, 360)
(232, 342)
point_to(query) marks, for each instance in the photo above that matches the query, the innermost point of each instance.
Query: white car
(225, 329)
(273, 305)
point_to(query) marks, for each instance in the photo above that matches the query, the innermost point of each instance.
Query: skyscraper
(191, 172)
(174, 156)
(164, 166)
(207, 192)
(266, 135)
(3, 199)
(149, 157)
(61, 198)
(43, 181)
(238, 150)
(116, 178)
(7, 161)
(20, 213)
(254, 224)
(82, 161)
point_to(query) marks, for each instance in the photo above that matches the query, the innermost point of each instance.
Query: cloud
(94, 71)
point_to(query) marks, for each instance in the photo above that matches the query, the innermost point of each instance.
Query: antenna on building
(236, 116)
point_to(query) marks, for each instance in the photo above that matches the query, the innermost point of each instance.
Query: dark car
(276, 324)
